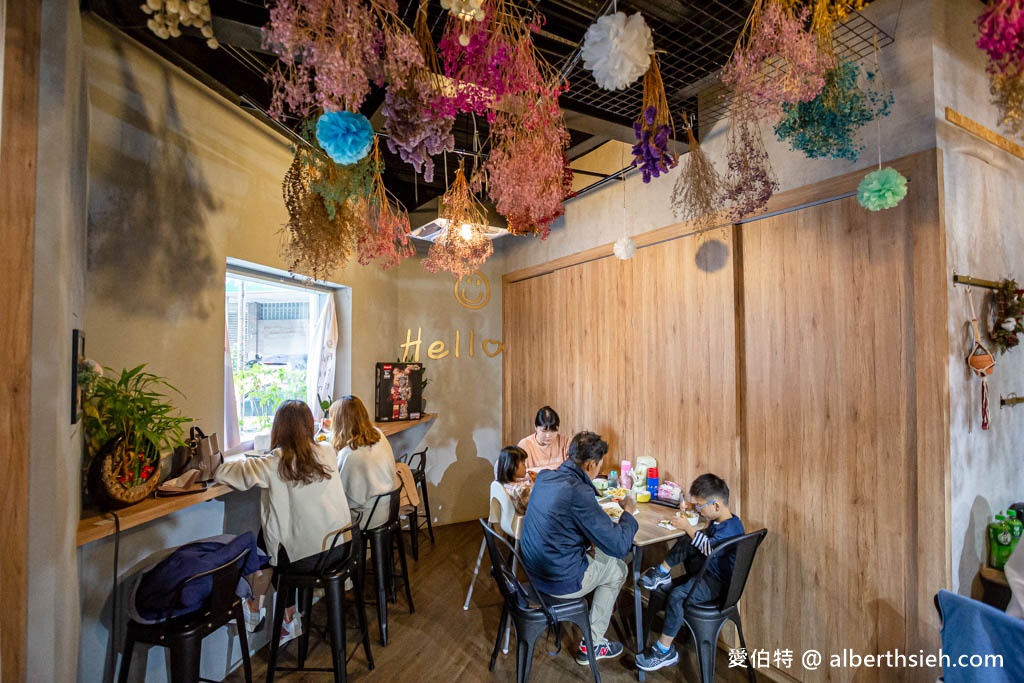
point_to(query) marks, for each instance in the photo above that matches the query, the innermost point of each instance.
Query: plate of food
(617, 494)
(612, 510)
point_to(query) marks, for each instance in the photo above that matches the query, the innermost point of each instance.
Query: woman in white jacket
(301, 497)
(365, 459)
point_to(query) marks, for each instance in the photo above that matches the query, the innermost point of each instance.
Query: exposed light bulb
(466, 231)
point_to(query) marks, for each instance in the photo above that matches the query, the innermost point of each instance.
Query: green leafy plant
(134, 404)
(325, 403)
(265, 387)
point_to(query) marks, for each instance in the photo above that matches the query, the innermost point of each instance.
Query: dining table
(648, 533)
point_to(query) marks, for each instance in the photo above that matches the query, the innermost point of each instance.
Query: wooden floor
(441, 642)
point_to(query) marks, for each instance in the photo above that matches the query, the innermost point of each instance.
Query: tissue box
(669, 491)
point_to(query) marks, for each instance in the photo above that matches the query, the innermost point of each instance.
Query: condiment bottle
(613, 480)
(999, 538)
(652, 481)
(626, 475)
(1016, 530)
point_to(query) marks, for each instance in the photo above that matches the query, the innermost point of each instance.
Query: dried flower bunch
(168, 16)
(697, 194)
(526, 167)
(463, 246)
(386, 236)
(777, 61)
(1001, 35)
(827, 126)
(1009, 322)
(654, 128)
(749, 180)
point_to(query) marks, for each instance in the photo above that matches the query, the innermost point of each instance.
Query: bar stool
(418, 464)
(381, 540)
(183, 635)
(330, 574)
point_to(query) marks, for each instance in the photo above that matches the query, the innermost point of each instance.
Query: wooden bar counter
(95, 526)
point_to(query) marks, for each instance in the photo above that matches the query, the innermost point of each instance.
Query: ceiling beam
(591, 124)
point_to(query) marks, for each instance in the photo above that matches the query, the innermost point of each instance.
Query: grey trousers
(604, 578)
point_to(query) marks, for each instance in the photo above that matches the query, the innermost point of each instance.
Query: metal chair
(417, 462)
(183, 635)
(382, 540)
(503, 513)
(532, 613)
(330, 573)
(706, 619)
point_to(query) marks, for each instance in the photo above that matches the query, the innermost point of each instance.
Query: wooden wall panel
(810, 370)
(19, 87)
(641, 351)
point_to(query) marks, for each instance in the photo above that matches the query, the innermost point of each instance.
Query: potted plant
(128, 420)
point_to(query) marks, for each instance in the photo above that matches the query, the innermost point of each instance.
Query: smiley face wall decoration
(472, 290)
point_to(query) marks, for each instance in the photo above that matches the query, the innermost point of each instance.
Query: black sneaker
(654, 578)
(606, 650)
(653, 659)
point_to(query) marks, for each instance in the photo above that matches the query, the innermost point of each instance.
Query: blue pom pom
(882, 189)
(346, 137)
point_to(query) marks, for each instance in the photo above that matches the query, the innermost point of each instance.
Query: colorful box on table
(399, 392)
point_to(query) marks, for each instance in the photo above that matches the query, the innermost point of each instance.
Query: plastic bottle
(652, 481)
(999, 537)
(613, 480)
(1016, 530)
(626, 475)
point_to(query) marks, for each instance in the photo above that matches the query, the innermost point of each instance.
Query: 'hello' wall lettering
(438, 349)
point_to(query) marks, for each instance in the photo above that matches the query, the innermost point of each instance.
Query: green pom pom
(882, 189)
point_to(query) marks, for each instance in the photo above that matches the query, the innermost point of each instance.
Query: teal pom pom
(882, 189)
(345, 136)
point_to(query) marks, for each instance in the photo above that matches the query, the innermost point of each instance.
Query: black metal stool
(183, 635)
(381, 540)
(330, 573)
(417, 462)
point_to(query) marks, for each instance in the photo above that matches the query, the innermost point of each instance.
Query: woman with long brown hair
(365, 459)
(302, 499)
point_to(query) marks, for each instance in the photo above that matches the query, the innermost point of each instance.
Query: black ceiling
(694, 37)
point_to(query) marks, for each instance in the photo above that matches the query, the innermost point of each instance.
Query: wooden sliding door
(641, 351)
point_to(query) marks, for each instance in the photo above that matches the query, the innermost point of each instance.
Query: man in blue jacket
(562, 521)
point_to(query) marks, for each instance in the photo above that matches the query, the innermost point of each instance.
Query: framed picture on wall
(77, 356)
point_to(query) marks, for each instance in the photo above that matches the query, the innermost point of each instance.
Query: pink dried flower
(780, 62)
(749, 181)
(1001, 33)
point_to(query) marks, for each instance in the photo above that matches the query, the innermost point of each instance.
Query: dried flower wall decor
(827, 126)
(1009, 322)
(778, 60)
(1001, 36)
(526, 167)
(697, 193)
(749, 179)
(654, 128)
(463, 246)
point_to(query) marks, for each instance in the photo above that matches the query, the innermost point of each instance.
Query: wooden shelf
(101, 525)
(97, 526)
(392, 428)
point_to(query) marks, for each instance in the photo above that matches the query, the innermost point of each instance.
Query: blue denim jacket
(562, 520)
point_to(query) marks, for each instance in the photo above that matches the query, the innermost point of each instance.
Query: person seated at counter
(302, 499)
(546, 448)
(365, 459)
(511, 474)
(710, 496)
(562, 520)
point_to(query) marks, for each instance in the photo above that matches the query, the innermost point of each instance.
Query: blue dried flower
(345, 136)
(882, 189)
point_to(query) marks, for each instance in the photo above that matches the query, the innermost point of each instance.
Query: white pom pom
(624, 248)
(446, 4)
(463, 39)
(617, 50)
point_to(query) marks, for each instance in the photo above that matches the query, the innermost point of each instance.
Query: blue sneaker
(653, 578)
(606, 650)
(653, 658)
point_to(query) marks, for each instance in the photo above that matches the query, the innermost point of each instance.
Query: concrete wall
(57, 308)
(180, 181)
(983, 205)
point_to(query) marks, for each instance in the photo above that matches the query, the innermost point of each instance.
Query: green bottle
(1016, 530)
(999, 537)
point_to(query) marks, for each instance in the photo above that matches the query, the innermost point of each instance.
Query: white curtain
(232, 436)
(320, 363)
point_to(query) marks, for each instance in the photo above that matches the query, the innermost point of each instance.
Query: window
(273, 329)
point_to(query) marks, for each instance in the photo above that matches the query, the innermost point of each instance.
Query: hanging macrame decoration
(617, 50)
(1009, 322)
(463, 246)
(981, 362)
(697, 194)
(345, 136)
(654, 128)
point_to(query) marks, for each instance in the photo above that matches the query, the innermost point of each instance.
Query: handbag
(205, 454)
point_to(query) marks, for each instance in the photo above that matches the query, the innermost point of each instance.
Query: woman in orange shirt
(545, 448)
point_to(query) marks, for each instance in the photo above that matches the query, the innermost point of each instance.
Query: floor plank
(440, 641)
